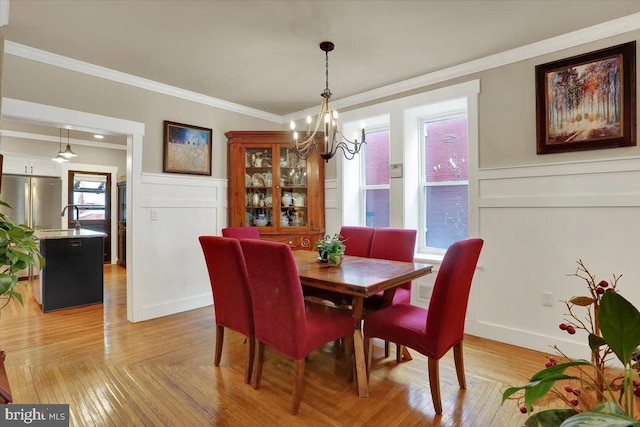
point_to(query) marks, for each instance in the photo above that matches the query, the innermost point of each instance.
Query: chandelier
(328, 121)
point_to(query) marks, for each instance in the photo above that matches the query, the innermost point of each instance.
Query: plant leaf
(549, 418)
(599, 419)
(620, 325)
(543, 381)
(608, 407)
(581, 301)
(595, 341)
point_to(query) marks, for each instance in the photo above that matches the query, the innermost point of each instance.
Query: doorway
(90, 192)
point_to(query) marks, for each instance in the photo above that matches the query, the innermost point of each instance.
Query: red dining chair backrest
(357, 240)
(230, 287)
(278, 304)
(241, 232)
(450, 296)
(397, 244)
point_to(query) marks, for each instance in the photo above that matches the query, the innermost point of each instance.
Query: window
(89, 195)
(444, 180)
(376, 178)
(423, 131)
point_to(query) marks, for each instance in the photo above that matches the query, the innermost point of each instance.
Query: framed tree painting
(587, 101)
(187, 149)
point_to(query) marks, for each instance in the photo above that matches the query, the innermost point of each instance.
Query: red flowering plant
(592, 396)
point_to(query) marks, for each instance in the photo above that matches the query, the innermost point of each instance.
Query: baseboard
(176, 306)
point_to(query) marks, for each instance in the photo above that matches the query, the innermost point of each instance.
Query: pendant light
(60, 158)
(68, 152)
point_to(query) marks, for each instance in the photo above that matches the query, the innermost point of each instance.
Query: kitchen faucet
(77, 221)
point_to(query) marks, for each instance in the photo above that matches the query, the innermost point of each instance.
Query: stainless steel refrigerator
(36, 201)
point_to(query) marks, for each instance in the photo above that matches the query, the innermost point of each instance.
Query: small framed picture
(587, 101)
(187, 149)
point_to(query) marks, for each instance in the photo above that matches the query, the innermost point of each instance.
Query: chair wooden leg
(252, 352)
(399, 353)
(386, 349)
(219, 341)
(256, 385)
(368, 354)
(459, 361)
(347, 344)
(405, 354)
(434, 382)
(298, 386)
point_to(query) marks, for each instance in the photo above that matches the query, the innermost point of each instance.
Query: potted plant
(592, 396)
(18, 250)
(331, 249)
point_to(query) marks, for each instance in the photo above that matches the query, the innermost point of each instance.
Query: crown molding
(554, 44)
(27, 52)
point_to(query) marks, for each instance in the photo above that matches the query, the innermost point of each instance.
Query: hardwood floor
(160, 373)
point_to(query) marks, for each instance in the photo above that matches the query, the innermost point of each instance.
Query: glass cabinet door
(293, 190)
(258, 179)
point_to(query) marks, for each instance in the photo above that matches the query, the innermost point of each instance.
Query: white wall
(173, 268)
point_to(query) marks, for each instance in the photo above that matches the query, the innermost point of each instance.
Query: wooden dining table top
(356, 276)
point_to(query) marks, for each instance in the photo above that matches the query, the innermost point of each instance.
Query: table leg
(358, 344)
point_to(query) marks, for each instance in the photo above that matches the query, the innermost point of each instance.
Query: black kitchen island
(73, 272)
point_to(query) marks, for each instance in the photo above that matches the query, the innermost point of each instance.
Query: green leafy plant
(613, 327)
(18, 250)
(331, 248)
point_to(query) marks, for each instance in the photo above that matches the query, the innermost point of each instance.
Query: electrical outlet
(547, 299)
(154, 215)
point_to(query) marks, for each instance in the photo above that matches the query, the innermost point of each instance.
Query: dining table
(358, 278)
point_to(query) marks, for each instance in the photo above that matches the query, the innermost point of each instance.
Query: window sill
(428, 258)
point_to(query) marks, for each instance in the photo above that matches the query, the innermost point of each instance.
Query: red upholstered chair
(281, 319)
(230, 287)
(241, 232)
(397, 244)
(357, 240)
(434, 331)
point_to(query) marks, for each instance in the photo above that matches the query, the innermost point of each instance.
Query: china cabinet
(272, 189)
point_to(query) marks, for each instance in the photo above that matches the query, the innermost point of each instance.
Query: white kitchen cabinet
(27, 165)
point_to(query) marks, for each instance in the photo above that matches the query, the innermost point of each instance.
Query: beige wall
(508, 113)
(507, 105)
(36, 82)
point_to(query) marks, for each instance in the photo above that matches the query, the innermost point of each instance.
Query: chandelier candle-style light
(328, 121)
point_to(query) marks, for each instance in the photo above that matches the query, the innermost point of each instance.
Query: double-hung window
(444, 183)
(375, 184)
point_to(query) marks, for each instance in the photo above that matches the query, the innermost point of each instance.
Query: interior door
(91, 193)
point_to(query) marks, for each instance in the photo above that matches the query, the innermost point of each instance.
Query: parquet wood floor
(160, 373)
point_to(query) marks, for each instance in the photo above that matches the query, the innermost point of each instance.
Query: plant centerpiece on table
(331, 249)
(593, 397)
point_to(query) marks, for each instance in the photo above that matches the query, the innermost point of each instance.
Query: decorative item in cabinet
(270, 187)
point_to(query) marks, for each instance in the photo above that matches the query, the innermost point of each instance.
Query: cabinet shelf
(302, 180)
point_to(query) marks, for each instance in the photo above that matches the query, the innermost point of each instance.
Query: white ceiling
(265, 54)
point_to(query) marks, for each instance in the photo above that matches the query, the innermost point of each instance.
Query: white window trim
(414, 115)
(444, 111)
(403, 135)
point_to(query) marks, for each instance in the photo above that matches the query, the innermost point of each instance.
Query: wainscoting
(537, 221)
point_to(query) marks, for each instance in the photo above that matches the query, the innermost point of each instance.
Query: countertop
(70, 233)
